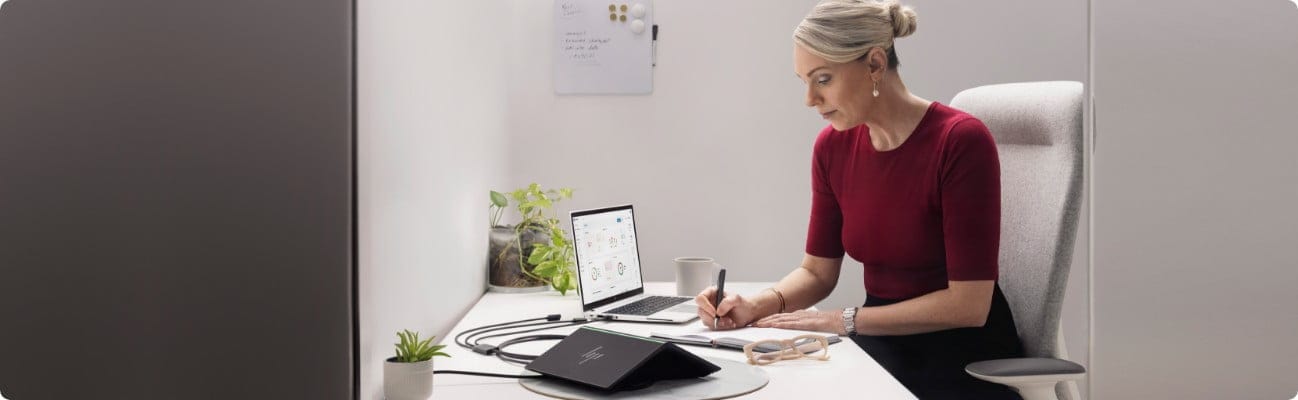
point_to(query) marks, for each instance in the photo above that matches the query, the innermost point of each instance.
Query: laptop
(608, 266)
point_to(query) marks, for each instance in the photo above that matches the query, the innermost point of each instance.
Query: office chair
(1038, 131)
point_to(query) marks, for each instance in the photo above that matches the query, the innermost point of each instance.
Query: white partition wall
(1196, 182)
(431, 130)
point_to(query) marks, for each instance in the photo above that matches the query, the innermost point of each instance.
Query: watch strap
(849, 320)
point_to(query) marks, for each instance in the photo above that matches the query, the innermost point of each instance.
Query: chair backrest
(1038, 131)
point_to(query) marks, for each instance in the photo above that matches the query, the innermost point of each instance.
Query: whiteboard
(596, 48)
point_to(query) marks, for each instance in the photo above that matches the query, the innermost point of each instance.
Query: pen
(721, 288)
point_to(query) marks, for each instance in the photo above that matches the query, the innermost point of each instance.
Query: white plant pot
(407, 381)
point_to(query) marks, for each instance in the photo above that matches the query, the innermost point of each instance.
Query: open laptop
(608, 263)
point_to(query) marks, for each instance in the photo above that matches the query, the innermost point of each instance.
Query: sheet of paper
(748, 333)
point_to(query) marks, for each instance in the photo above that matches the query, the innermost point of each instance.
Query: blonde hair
(845, 30)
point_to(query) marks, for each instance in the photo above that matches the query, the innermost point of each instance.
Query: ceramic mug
(693, 274)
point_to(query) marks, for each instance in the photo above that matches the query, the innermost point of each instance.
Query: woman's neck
(897, 113)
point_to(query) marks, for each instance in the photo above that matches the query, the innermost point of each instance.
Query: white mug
(693, 274)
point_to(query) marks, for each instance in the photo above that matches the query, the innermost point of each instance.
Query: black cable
(488, 374)
(500, 352)
(551, 317)
(521, 359)
(473, 341)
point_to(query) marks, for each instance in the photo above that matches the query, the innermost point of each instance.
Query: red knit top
(915, 216)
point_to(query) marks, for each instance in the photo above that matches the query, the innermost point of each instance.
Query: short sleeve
(971, 202)
(825, 230)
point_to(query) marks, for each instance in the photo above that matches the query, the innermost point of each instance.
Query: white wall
(456, 98)
(432, 142)
(717, 159)
(1195, 185)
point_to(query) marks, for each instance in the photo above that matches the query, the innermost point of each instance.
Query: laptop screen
(608, 261)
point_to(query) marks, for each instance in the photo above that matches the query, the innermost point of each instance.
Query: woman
(907, 186)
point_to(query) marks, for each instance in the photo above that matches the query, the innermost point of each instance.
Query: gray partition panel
(177, 199)
(1195, 259)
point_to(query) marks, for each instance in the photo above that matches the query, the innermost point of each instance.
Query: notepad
(700, 335)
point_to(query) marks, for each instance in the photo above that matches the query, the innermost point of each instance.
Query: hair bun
(903, 20)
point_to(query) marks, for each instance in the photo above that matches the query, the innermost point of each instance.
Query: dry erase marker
(654, 47)
(721, 288)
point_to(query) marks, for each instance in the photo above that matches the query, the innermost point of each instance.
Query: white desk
(848, 371)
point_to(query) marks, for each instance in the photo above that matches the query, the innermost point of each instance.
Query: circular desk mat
(734, 379)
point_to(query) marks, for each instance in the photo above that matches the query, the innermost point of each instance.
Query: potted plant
(409, 375)
(535, 252)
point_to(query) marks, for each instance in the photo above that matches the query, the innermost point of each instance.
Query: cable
(471, 339)
(522, 359)
(551, 317)
(488, 374)
(501, 353)
(475, 340)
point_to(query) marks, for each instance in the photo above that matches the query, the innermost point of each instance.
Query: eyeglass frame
(789, 349)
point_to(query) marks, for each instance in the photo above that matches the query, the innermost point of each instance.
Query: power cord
(487, 374)
(522, 358)
(473, 342)
(551, 317)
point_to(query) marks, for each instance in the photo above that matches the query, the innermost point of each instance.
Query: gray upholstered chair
(1038, 131)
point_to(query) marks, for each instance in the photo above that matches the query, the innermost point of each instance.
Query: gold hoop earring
(876, 89)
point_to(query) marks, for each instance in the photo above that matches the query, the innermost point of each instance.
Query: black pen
(721, 289)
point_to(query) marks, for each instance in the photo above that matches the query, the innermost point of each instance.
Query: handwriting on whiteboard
(584, 48)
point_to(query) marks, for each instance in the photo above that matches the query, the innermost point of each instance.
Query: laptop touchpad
(687, 307)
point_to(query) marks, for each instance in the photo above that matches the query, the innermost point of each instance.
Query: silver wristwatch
(849, 320)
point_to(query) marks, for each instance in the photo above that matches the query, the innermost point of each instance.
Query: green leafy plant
(553, 262)
(411, 349)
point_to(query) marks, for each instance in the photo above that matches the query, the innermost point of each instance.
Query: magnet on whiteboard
(637, 11)
(637, 26)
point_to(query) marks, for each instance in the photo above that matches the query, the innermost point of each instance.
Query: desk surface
(849, 369)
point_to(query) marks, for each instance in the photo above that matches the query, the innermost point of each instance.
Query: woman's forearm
(965, 304)
(801, 288)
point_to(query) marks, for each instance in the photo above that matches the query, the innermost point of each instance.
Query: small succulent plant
(411, 349)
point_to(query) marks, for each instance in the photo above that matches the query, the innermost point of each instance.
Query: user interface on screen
(607, 258)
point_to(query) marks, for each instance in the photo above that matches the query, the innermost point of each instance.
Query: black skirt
(931, 365)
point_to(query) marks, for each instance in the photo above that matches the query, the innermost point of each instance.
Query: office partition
(1195, 183)
(177, 199)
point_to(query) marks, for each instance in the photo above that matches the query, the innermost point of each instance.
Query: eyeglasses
(764, 352)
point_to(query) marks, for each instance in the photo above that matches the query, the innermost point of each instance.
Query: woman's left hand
(804, 320)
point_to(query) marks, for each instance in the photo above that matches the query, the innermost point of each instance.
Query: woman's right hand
(736, 311)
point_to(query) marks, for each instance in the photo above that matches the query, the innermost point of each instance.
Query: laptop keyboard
(649, 305)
